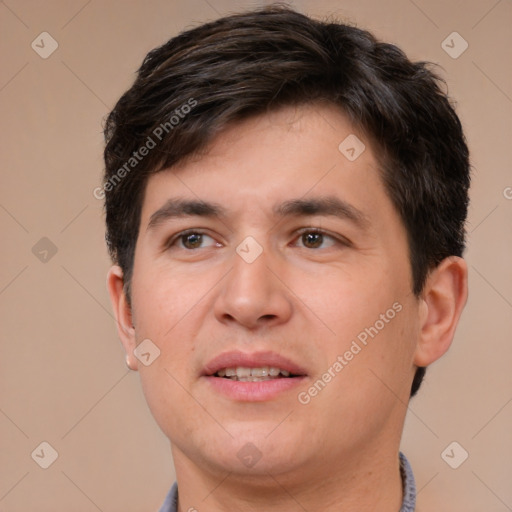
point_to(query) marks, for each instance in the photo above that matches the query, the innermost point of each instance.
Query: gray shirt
(408, 485)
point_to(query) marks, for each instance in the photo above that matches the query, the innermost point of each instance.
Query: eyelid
(171, 241)
(340, 239)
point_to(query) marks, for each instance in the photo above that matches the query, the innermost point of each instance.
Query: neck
(363, 481)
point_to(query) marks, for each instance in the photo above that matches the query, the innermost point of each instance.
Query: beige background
(63, 378)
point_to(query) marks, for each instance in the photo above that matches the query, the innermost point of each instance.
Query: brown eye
(312, 240)
(192, 240)
(315, 239)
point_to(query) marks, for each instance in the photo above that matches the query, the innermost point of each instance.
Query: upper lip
(234, 359)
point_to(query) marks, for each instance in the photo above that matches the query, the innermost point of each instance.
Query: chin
(250, 453)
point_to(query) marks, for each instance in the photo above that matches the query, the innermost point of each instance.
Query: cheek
(163, 297)
(169, 403)
(371, 364)
(165, 309)
(371, 320)
(350, 300)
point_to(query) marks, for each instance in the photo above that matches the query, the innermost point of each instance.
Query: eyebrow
(329, 205)
(184, 208)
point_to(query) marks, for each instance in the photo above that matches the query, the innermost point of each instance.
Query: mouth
(245, 374)
(254, 377)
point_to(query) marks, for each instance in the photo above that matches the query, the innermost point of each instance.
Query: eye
(191, 240)
(314, 239)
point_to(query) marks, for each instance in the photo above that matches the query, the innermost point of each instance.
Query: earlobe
(443, 299)
(123, 314)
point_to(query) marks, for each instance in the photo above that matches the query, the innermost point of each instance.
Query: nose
(253, 296)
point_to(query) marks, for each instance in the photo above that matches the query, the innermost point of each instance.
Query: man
(285, 207)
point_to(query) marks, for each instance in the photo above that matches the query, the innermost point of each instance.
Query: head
(248, 127)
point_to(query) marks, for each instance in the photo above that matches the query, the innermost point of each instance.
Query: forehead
(294, 152)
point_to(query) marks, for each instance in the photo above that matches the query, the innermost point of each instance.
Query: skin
(307, 302)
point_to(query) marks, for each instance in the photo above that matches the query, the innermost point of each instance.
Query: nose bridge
(251, 294)
(251, 276)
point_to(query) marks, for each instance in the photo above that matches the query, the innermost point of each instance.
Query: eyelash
(339, 240)
(179, 236)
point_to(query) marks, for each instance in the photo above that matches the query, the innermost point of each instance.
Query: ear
(123, 313)
(444, 297)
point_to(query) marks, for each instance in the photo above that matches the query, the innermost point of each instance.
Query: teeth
(257, 372)
(244, 374)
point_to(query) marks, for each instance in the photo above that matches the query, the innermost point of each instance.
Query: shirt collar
(408, 485)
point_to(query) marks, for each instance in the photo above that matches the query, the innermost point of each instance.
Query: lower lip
(253, 391)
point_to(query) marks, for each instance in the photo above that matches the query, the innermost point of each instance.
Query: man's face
(275, 251)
